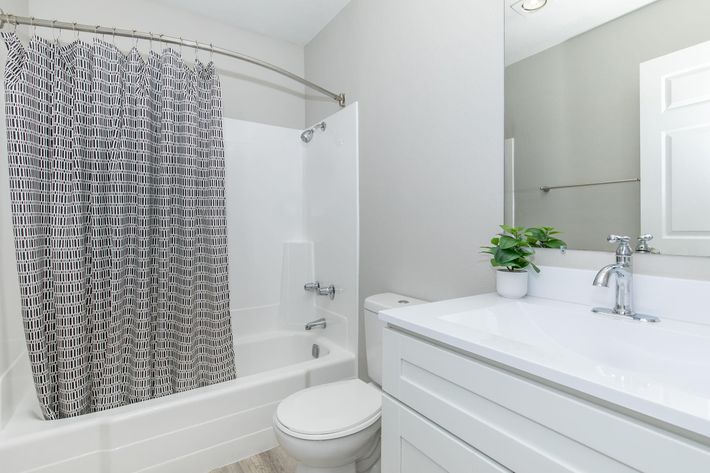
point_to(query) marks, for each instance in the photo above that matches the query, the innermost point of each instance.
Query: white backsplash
(672, 298)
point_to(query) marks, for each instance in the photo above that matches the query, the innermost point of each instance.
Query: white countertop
(659, 370)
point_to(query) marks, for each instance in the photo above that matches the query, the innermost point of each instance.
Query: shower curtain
(117, 191)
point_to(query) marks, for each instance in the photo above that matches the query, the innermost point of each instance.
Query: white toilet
(335, 428)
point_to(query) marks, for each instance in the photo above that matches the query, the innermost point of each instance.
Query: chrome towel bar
(602, 183)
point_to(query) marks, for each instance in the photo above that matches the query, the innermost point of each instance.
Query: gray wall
(574, 113)
(429, 80)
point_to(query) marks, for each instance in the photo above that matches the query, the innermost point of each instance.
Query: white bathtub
(190, 432)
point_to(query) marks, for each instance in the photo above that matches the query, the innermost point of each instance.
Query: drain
(315, 350)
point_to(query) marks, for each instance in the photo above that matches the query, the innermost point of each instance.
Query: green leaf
(508, 242)
(555, 243)
(536, 233)
(505, 256)
(521, 263)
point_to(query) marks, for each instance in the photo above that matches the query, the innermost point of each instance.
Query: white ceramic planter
(512, 284)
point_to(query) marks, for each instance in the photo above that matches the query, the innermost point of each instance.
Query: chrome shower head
(307, 135)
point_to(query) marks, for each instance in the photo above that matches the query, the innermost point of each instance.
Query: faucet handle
(311, 286)
(618, 238)
(642, 245)
(624, 251)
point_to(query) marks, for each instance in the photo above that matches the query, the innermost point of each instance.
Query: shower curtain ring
(76, 31)
(55, 35)
(34, 27)
(211, 52)
(113, 36)
(135, 39)
(14, 20)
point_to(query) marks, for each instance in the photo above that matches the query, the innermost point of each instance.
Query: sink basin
(618, 347)
(661, 370)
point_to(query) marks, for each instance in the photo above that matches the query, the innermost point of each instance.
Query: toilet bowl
(331, 428)
(335, 427)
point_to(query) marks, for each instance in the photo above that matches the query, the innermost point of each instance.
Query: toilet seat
(330, 411)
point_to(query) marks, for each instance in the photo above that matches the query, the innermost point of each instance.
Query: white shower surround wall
(330, 183)
(292, 216)
(264, 196)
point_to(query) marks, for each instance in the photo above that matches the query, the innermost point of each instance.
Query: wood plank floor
(273, 461)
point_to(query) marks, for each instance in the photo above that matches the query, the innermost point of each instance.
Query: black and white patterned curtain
(117, 186)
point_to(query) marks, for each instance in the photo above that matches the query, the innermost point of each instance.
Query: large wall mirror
(607, 121)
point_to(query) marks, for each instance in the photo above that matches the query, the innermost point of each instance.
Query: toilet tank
(374, 328)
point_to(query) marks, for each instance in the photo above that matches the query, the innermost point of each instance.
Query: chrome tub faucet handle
(311, 286)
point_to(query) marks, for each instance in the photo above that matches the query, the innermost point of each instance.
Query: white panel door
(675, 151)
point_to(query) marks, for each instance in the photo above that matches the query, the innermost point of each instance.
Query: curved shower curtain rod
(77, 27)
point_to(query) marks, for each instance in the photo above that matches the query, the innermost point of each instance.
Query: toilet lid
(331, 408)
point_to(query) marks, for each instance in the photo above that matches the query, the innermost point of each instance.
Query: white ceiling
(297, 21)
(560, 20)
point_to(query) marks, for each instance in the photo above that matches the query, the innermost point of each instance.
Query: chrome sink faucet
(623, 270)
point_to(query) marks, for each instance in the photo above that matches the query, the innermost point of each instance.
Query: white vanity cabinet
(447, 411)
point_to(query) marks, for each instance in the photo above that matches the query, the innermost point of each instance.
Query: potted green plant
(512, 252)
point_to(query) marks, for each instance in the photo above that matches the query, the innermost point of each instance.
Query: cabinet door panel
(412, 444)
(416, 461)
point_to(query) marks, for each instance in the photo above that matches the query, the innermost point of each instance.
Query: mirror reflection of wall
(572, 117)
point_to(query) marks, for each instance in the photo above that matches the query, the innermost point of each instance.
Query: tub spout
(316, 323)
